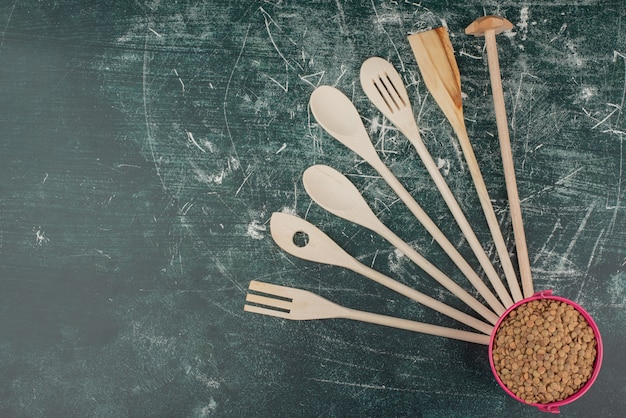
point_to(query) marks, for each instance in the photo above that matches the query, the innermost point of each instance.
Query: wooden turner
(435, 58)
(297, 304)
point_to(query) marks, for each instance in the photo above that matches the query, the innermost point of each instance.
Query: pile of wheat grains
(544, 351)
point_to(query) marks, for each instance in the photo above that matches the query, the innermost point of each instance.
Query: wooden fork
(297, 304)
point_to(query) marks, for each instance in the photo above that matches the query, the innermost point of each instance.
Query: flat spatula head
(435, 58)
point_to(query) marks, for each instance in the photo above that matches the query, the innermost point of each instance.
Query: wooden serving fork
(297, 304)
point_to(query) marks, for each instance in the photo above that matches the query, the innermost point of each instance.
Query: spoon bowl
(334, 192)
(338, 116)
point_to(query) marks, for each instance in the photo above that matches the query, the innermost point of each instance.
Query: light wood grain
(434, 54)
(338, 116)
(334, 192)
(322, 249)
(376, 70)
(489, 26)
(305, 305)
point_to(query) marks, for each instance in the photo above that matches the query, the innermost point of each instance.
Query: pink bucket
(552, 407)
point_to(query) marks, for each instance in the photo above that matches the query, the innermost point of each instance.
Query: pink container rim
(552, 407)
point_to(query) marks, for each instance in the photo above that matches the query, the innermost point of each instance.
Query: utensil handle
(415, 138)
(438, 275)
(490, 215)
(435, 57)
(508, 164)
(421, 298)
(439, 236)
(415, 326)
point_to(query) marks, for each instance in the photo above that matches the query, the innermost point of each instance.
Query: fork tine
(273, 289)
(265, 311)
(274, 303)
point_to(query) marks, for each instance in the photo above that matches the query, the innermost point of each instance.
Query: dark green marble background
(145, 144)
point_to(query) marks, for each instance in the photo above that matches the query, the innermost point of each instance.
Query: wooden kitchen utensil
(338, 116)
(435, 58)
(320, 248)
(385, 89)
(297, 304)
(489, 27)
(334, 192)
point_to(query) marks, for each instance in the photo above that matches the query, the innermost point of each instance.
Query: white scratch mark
(146, 113)
(595, 247)
(465, 54)
(557, 183)
(374, 259)
(319, 75)
(242, 183)
(256, 229)
(343, 72)
(285, 88)
(227, 90)
(193, 141)
(180, 80)
(618, 54)
(268, 19)
(468, 394)
(186, 207)
(155, 32)
(6, 26)
(607, 117)
(379, 20)
(518, 95)
(102, 253)
(342, 17)
(577, 235)
(556, 226)
(282, 148)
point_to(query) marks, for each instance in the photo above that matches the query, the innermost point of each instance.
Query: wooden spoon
(385, 89)
(321, 248)
(435, 58)
(334, 192)
(338, 116)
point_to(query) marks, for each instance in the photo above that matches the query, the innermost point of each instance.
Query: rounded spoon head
(334, 192)
(318, 247)
(338, 116)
